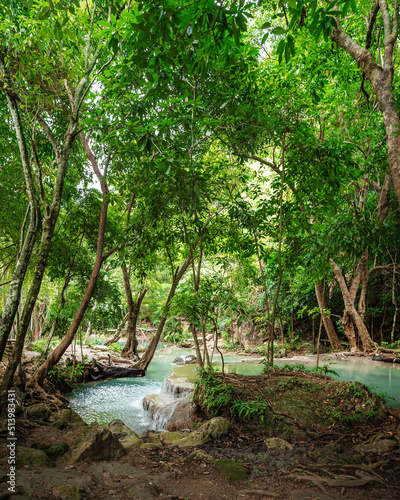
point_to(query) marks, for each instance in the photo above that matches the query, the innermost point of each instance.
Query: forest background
(231, 166)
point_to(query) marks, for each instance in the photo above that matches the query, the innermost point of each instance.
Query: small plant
(116, 347)
(325, 370)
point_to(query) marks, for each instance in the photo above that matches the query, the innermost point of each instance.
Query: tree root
(348, 482)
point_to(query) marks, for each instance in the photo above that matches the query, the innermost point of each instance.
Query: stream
(122, 398)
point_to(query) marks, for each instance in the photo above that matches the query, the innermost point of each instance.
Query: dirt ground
(177, 473)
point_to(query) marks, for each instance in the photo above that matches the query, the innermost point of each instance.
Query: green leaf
(44, 13)
(266, 25)
(278, 31)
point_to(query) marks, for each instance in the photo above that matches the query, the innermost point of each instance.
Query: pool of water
(122, 398)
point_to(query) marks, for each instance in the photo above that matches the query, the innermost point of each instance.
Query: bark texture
(330, 330)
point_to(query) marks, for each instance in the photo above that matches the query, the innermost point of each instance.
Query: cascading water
(123, 398)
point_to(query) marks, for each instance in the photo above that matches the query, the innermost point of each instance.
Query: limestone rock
(231, 471)
(38, 411)
(30, 456)
(277, 444)
(187, 344)
(378, 446)
(95, 443)
(67, 492)
(183, 414)
(218, 427)
(185, 360)
(68, 418)
(126, 436)
(185, 439)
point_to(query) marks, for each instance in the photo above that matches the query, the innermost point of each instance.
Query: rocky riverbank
(290, 454)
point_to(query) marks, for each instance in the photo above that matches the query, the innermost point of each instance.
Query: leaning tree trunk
(55, 355)
(145, 360)
(323, 306)
(27, 240)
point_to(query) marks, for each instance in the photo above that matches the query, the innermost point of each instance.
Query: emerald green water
(122, 398)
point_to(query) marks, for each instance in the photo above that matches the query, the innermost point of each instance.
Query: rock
(280, 353)
(218, 427)
(231, 471)
(378, 446)
(53, 451)
(38, 411)
(277, 444)
(30, 456)
(185, 360)
(95, 443)
(67, 492)
(209, 337)
(126, 436)
(187, 344)
(183, 414)
(187, 439)
(68, 418)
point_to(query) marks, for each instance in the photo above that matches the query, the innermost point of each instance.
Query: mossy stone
(68, 418)
(231, 471)
(126, 436)
(53, 451)
(38, 411)
(95, 443)
(67, 492)
(30, 456)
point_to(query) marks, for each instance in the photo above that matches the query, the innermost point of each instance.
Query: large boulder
(378, 446)
(126, 436)
(95, 443)
(68, 418)
(30, 456)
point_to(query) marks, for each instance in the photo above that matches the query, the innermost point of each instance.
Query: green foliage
(116, 347)
(40, 345)
(66, 377)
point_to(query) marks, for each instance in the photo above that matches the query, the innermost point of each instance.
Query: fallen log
(387, 359)
(97, 372)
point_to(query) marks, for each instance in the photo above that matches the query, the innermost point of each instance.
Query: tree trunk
(27, 240)
(323, 306)
(350, 310)
(145, 360)
(130, 347)
(381, 80)
(56, 354)
(117, 334)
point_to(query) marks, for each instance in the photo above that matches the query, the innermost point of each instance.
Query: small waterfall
(159, 408)
(176, 387)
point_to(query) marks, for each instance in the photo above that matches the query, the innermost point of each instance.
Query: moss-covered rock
(67, 492)
(30, 456)
(378, 446)
(38, 411)
(95, 443)
(126, 436)
(218, 427)
(67, 419)
(53, 451)
(231, 471)
(185, 439)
